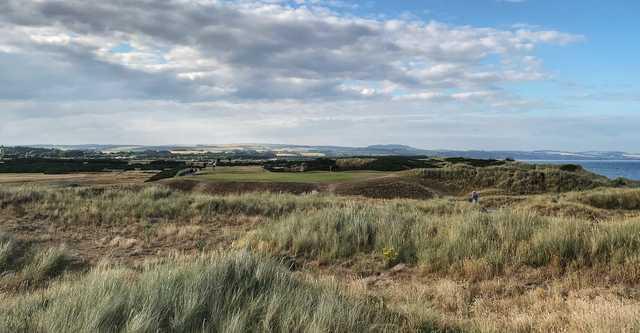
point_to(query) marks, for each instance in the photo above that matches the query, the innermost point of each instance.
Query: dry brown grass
(511, 305)
(181, 232)
(124, 243)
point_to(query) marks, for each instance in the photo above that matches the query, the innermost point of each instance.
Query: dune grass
(627, 199)
(439, 234)
(23, 265)
(9, 250)
(121, 205)
(232, 293)
(45, 264)
(472, 254)
(490, 242)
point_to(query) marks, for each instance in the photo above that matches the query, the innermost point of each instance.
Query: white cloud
(273, 50)
(246, 70)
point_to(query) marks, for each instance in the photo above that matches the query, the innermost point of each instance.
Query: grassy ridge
(235, 293)
(513, 179)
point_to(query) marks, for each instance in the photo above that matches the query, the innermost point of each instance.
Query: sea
(612, 169)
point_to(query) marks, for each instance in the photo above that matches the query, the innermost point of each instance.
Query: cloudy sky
(455, 74)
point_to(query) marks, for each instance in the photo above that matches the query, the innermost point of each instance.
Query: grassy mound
(386, 188)
(511, 179)
(628, 199)
(235, 293)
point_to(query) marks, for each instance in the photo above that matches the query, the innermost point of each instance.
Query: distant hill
(372, 150)
(539, 155)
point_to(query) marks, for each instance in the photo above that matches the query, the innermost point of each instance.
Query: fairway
(257, 174)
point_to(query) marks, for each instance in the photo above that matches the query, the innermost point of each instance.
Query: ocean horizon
(612, 169)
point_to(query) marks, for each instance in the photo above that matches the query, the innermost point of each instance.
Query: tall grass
(124, 204)
(45, 264)
(628, 199)
(338, 233)
(121, 205)
(24, 265)
(490, 242)
(234, 293)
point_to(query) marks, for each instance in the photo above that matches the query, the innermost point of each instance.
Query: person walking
(475, 197)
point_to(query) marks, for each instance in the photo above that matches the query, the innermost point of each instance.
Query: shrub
(570, 167)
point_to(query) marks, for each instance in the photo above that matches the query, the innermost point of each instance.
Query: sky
(435, 74)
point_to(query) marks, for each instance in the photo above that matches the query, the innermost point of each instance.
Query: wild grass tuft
(25, 266)
(46, 264)
(235, 293)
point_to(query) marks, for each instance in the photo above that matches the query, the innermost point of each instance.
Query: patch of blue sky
(122, 48)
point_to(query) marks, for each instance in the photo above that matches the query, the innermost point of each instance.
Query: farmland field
(257, 174)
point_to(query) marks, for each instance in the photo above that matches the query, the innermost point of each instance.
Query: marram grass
(498, 240)
(233, 293)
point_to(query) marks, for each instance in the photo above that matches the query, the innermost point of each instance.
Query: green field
(257, 174)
